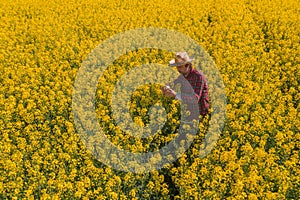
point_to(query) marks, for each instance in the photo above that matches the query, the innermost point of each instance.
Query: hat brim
(172, 63)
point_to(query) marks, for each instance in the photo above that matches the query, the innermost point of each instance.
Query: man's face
(183, 69)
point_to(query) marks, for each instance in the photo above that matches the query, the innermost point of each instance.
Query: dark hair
(188, 65)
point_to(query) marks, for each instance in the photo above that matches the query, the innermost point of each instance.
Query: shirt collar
(191, 71)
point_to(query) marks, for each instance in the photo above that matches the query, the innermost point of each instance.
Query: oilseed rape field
(255, 48)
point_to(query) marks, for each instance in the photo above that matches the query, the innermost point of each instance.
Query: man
(193, 83)
(193, 94)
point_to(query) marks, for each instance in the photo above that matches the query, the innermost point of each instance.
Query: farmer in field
(194, 94)
(194, 88)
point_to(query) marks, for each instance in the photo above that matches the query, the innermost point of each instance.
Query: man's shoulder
(197, 72)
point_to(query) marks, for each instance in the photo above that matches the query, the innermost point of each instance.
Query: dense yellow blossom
(255, 46)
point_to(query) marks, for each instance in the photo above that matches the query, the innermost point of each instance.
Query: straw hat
(181, 58)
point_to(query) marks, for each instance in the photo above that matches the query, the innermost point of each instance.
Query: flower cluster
(254, 44)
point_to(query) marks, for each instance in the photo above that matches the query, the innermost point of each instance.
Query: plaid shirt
(194, 89)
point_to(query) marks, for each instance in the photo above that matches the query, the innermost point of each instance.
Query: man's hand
(166, 90)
